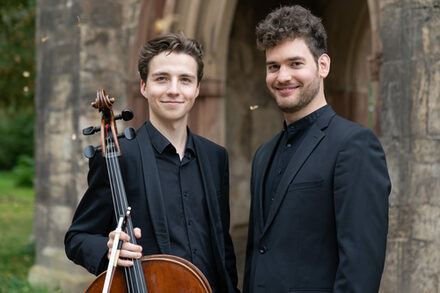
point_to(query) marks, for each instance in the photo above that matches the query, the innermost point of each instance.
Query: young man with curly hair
(320, 187)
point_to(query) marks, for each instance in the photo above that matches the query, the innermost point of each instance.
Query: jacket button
(262, 249)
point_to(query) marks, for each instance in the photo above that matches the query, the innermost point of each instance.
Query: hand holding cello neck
(116, 249)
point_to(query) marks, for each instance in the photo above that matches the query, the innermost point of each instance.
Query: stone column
(410, 124)
(81, 47)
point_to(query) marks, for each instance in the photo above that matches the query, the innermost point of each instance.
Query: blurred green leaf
(17, 54)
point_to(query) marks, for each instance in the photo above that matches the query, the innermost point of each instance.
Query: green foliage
(17, 54)
(24, 171)
(17, 79)
(16, 244)
(16, 137)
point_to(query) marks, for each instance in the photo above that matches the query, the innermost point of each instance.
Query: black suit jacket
(86, 239)
(326, 229)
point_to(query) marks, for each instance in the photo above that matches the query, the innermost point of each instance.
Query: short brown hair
(290, 22)
(170, 42)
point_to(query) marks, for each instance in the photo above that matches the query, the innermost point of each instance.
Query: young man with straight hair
(320, 187)
(177, 183)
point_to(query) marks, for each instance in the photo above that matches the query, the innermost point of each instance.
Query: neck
(175, 132)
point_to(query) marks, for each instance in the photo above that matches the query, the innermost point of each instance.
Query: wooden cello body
(154, 273)
(163, 274)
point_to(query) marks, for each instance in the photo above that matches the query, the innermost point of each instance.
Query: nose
(284, 75)
(173, 88)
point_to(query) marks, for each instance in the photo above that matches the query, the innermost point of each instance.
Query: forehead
(289, 49)
(173, 63)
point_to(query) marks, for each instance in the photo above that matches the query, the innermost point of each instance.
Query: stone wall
(410, 119)
(81, 47)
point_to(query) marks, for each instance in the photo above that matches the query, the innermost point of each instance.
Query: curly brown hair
(169, 43)
(290, 22)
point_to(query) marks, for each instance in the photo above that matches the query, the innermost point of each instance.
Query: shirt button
(288, 145)
(262, 250)
(185, 194)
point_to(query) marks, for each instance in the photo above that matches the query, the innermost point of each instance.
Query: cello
(159, 273)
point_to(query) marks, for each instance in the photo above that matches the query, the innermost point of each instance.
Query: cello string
(138, 284)
(118, 206)
(137, 267)
(109, 154)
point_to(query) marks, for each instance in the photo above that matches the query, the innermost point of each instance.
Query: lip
(286, 90)
(171, 102)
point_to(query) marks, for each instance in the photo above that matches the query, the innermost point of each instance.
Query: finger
(137, 233)
(128, 246)
(124, 236)
(130, 254)
(125, 262)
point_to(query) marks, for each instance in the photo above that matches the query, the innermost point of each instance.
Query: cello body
(163, 274)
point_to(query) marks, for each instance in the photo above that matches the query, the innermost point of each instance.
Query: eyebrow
(296, 58)
(167, 73)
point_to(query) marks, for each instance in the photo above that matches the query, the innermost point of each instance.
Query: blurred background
(55, 55)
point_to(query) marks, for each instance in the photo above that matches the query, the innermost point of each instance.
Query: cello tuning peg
(129, 133)
(125, 115)
(90, 130)
(90, 151)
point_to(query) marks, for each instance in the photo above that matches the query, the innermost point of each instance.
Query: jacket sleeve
(250, 239)
(230, 260)
(361, 190)
(86, 240)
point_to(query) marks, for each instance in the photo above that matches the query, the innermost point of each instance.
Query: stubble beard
(306, 95)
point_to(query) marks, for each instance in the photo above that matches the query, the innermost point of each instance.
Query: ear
(143, 86)
(324, 65)
(197, 91)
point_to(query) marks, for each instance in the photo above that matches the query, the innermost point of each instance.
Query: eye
(186, 80)
(160, 78)
(272, 67)
(296, 64)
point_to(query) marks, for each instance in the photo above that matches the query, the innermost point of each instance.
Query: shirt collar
(160, 142)
(304, 122)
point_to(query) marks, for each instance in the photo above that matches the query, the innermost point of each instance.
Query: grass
(16, 244)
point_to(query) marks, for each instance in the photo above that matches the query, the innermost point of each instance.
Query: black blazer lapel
(311, 140)
(260, 170)
(153, 191)
(211, 199)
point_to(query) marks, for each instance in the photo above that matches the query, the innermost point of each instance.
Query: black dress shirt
(287, 145)
(185, 203)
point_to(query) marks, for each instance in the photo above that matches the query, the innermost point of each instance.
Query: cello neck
(134, 275)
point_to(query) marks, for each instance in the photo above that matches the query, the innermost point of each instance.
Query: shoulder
(205, 145)
(267, 146)
(344, 129)
(350, 135)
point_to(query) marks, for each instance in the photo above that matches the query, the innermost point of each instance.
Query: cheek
(155, 90)
(270, 78)
(189, 91)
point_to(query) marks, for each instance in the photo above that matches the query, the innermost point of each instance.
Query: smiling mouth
(285, 90)
(172, 102)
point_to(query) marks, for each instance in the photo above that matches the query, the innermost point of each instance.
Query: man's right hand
(128, 250)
